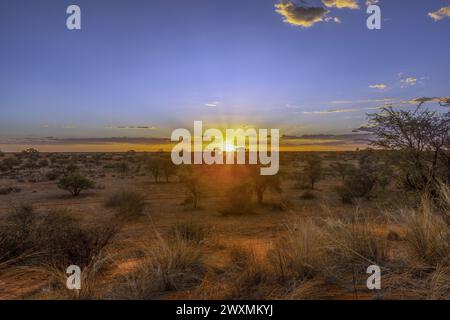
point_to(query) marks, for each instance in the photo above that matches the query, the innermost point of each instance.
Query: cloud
(212, 104)
(326, 139)
(335, 19)
(132, 127)
(410, 81)
(367, 128)
(442, 13)
(330, 111)
(379, 86)
(73, 141)
(350, 4)
(443, 101)
(384, 100)
(298, 15)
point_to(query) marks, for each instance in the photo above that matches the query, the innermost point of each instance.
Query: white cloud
(379, 86)
(212, 104)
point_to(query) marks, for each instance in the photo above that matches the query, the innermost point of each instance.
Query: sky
(140, 69)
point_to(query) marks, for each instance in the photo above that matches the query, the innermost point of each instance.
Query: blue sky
(161, 64)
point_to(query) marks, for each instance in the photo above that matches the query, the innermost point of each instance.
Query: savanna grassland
(141, 228)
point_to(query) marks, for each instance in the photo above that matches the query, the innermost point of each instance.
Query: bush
(238, 201)
(8, 190)
(192, 179)
(52, 175)
(359, 183)
(128, 204)
(313, 170)
(53, 238)
(75, 184)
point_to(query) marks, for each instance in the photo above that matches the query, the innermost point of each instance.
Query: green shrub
(75, 184)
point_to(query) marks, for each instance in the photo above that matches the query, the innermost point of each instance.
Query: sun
(229, 147)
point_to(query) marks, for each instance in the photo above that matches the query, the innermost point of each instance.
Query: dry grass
(428, 236)
(167, 265)
(317, 248)
(301, 252)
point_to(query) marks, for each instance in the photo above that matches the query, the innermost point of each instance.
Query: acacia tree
(313, 170)
(191, 178)
(75, 184)
(262, 183)
(342, 169)
(421, 135)
(168, 168)
(154, 166)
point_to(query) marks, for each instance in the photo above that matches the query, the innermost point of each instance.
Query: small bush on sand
(75, 184)
(128, 204)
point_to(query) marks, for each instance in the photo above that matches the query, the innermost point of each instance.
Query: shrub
(75, 184)
(8, 190)
(52, 175)
(342, 169)
(238, 201)
(154, 165)
(191, 178)
(313, 170)
(359, 182)
(261, 184)
(128, 204)
(54, 238)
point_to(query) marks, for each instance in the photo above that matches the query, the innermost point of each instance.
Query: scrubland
(141, 228)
